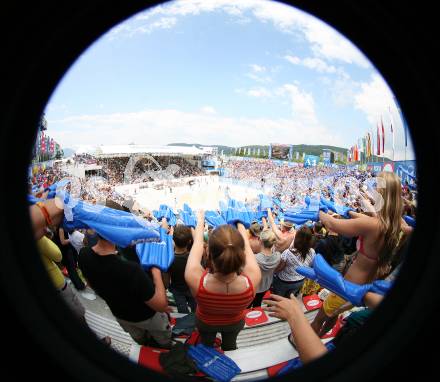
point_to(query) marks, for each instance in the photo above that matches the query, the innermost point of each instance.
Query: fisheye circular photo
(223, 189)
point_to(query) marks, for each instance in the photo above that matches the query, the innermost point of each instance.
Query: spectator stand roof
(112, 151)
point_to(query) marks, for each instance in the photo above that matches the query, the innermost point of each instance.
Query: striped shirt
(294, 260)
(222, 309)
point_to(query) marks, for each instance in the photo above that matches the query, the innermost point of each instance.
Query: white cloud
(257, 68)
(318, 65)
(259, 92)
(208, 110)
(293, 59)
(312, 63)
(162, 23)
(377, 102)
(303, 105)
(374, 98)
(326, 42)
(56, 107)
(131, 28)
(163, 126)
(258, 73)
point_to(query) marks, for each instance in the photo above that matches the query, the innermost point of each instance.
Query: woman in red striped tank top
(226, 290)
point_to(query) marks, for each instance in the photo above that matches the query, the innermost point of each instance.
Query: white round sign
(388, 167)
(312, 302)
(254, 314)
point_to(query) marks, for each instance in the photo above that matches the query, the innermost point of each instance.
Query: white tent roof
(113, 150)
(86, 149)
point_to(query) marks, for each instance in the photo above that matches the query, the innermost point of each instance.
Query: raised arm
(407, 229)
(194, 269)
(159, 301)
(251, 268)
(62, 236)
(372, 300)
(38, 218)
(307, 342)
(348, 227)
(354, 215)
(265, 226)
(273, 226)
(164, 223)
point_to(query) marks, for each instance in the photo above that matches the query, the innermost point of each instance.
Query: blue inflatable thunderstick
(331, 279)
(237, 213)
(213, 363)
(119, 227)
(214, 219)
(157, 254)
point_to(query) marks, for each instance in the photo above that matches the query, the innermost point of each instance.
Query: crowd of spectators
(84, 159)
(146, 170)
(219, 272)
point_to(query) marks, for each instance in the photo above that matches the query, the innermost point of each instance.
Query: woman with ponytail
(223, 293)
(378, 231)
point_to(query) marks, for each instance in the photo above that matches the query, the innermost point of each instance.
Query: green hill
(68, 152)
(308, 149)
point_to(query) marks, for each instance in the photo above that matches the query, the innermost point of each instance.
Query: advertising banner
(311, 160)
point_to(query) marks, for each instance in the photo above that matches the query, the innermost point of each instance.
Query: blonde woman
(378, 236)
(268, 259)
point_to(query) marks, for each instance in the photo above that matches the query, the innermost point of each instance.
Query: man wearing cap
(284, 235)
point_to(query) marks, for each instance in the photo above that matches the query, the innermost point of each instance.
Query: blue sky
(222, 72)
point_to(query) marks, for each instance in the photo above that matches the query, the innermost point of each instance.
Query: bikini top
(361, 250)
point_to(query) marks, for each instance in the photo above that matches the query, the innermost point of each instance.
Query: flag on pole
(378, 142)
(392, 126)
(43, 143)
(405, 125)
(405, 130)
(370, 151)
(369, 145)
(383, 136)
